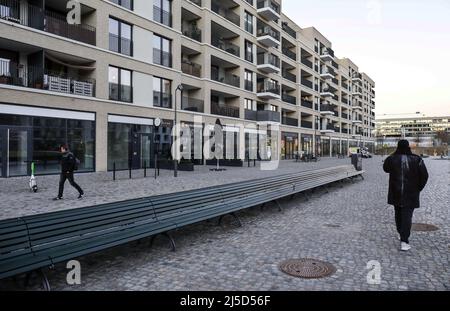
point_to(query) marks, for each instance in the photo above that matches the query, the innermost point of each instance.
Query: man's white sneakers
(404, 247)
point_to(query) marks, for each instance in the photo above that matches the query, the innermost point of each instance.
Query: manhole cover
(424, 227)
(307, 268)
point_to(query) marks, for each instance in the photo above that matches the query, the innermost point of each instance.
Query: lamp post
(175, 160)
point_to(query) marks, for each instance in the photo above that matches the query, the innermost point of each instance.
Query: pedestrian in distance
(69, 164)
(408, 176)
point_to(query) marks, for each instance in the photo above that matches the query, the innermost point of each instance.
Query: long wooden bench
(35, 242)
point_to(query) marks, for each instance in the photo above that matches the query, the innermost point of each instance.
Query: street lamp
(175, 161)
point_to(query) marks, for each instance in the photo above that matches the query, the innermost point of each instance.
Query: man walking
(407, 178)
(69, 164)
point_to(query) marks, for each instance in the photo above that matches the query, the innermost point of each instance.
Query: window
(120, 84)
(128, 4)
(249, 104)
(4, 67)
(248, 51)
(249, 80)
(162, 51)
(162, 12)
(162, 93)
(248, 21)
(120, 37)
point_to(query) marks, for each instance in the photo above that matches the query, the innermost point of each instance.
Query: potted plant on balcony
(4, 79)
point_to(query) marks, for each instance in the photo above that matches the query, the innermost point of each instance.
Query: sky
(403, 45)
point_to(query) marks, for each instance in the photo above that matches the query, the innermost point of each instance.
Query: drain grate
(332, 225)
(307, 268)
(424, 227)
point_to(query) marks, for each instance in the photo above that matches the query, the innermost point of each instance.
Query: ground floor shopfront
(33, 134)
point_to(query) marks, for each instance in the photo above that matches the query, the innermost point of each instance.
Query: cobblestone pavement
(347, 227)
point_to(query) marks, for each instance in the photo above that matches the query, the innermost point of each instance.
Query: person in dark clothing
(68, 165)
(408, 176)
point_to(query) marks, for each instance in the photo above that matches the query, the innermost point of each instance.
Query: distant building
(420, 131)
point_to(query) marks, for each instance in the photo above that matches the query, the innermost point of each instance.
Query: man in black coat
(68, 165)
(407, 178)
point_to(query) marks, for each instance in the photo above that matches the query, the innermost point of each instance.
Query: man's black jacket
(408, 176)
(67, 162)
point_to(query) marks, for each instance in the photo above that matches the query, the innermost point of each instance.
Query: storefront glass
(307, 144)
(289, 145)
(325, 147)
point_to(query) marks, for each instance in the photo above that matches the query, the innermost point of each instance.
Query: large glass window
(249, 80)
(162, 92)
(162, 51)
(120, 37)
(248, 51)
(248, 21)
(162, 12)
(128, 4)
(120, 84)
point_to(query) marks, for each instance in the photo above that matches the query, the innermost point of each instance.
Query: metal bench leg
(168, 236)
(362, 177)
(45, 282)
(326, 188)
(280, 209)
(238, 221)
(306, 195)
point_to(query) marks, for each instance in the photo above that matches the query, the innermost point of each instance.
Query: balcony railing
(162, 16)
(326, 108)
(268, 116)
(120, 45)
(345, 85)
(307, 104)
(344, 101)
(197, 2)
(225, 12)
(162, 58)
(307, 83)
(123, 93)
(289, 76)
(225, 46)
(223, 110)
(193, 33)
(289, 99)
(39, 18)
(227, 78)
(307, 63)
(37, 77)
(289, 121)
(289, 53)
(307, 124)
(191, 68)
(268, 87)
(268, 59)
(192, 104)
(161, 99)
(344, 115)
(268, 4)
(289, 30)
(268, 31)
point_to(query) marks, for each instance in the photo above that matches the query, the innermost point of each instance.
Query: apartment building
(100, 84)
(420, 131)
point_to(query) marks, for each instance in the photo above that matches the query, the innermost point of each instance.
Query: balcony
(226, 77)
(325, 74)
(307, 63)
(268, 116)
(306, 124)
(344, 101)
(357, 121)
(225, 12)
(49, 21)
(268, 63)
(226, 46)
(193, 33)
(268, 90)
(289, 76)
(327, 55)
(344, 116)
(357, 93)
(357, 77)
(326, 93)
(224, 110)
(289, 121)
(307, 104)
(191, 68)
(307, 83)
(289, 30)
(287, 52)
(326, 110)
(267, 36)
(197, 2)
(289, 99)
(328, 129)
(268, 9)
(192, 104)
(40, 78)
(357, 107)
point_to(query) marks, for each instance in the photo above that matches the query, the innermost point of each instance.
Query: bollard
(129, 168)
(248, 160)
(254, 162)
(114, 171)
(145, 169)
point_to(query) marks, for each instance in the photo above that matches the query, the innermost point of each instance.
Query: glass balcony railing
(191, 68)
(224, 110)
(192, 104)
(226, 46)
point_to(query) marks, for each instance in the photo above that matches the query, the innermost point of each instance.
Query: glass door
(15, 152)
(146, 150)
